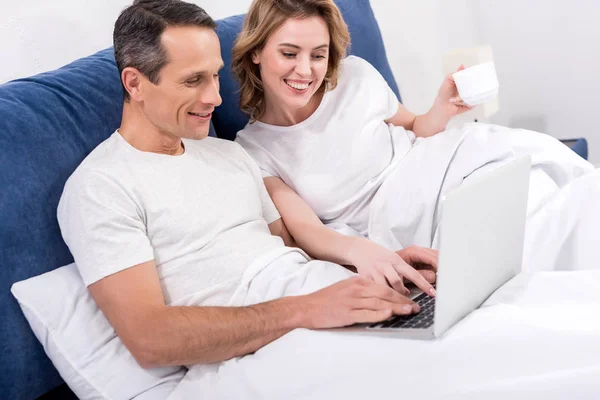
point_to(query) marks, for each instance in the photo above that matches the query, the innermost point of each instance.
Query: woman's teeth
(298, 86)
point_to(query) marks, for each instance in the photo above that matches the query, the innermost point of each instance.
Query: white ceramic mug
(477, 84)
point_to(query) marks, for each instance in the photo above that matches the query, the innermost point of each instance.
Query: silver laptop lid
(481, 244)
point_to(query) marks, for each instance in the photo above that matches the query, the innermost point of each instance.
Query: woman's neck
(276, 114)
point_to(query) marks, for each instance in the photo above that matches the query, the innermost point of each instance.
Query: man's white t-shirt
(202, 216)
(338, 157)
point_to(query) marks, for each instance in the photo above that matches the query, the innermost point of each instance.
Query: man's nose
(211, 94)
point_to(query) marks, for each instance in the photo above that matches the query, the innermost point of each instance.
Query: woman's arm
(447, 104)
(278, 228)
(305, 227)
(371, 260)
(429, 124)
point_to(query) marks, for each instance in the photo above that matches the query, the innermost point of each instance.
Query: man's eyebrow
(298, 47)
(194, 74)
(201, 73)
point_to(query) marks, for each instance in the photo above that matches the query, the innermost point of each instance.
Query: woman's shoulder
(254, 140)
(249, 135)
(358, 74)
(356, 65)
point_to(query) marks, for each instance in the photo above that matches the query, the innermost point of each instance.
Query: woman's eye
(289, 55)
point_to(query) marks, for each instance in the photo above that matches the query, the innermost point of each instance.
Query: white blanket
(562, 220)
(537, 337)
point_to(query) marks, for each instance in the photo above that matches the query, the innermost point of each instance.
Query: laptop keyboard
(424, 319)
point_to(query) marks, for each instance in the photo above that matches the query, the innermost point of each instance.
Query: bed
(48, 124)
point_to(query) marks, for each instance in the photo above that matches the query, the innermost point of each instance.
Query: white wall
(544, 50)
(548, 62)
(41, 35)
(223, 8)
(416, 35)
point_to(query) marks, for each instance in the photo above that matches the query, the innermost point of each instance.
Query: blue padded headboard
(48, 124)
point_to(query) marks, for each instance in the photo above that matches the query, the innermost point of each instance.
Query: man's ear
(133, 82)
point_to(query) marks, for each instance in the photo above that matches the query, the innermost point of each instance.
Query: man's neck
(142, 134)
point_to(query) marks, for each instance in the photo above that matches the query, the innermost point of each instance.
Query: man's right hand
(351, 301)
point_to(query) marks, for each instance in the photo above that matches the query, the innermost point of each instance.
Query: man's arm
(159, 335)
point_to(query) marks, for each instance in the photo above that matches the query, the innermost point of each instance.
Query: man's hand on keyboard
(351, 301)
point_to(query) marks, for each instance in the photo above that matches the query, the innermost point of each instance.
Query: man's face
(182, 102)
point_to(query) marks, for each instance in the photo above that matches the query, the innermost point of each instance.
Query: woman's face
(294, 62)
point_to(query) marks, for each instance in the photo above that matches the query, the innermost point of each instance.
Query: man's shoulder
(106, 160)
(219, 146)
(224, 154)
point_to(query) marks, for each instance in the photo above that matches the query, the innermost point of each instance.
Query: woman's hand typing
(392, 268)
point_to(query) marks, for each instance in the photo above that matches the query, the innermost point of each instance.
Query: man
(168, 227)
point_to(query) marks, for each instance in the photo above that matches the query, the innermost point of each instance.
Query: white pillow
(82, 344)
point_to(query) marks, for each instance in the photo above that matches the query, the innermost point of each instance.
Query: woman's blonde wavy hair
(262, 20)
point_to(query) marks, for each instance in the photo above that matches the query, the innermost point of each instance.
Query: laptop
(482, 232)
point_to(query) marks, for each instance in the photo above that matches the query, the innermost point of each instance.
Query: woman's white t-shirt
(338, 157)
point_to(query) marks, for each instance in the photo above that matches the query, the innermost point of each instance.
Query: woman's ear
(255, 57)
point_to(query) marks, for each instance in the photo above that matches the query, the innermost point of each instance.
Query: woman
(340, 155)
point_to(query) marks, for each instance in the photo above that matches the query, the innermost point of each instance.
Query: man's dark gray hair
(138, 31)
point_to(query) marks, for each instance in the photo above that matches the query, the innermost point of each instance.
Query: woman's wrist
(441, 109)
(432, 122)
(352, 249)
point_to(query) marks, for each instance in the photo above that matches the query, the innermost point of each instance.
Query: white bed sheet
(537, 337)
(563, 218)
